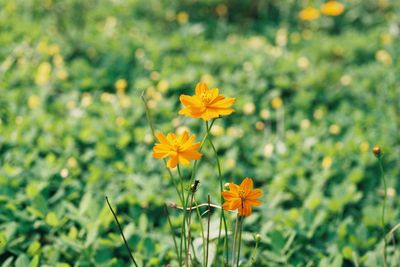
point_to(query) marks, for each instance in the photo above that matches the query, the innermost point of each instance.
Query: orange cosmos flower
(241, 197)
(332, 8)
(180, 149)
(309, 13)
(206, 103)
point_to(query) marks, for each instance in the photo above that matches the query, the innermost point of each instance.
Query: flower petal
(247, 185)
(201, 88)
(255, 193)
(228, 195)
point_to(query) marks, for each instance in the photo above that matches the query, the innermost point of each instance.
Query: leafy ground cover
(312, 99)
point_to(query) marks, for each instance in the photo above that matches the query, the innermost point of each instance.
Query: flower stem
(208, 227)
(180, 194)
(202, 232)
(172, 233)
(188, 230)
(222, 218)
(234, 241)
(383, 209)
(183, 229)
(122, 233)
(240, 241)
(254, 254)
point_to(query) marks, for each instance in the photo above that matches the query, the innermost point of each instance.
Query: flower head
(241, 197)
(309, 13)
(332, 8)
(206, 103)
(179, 149)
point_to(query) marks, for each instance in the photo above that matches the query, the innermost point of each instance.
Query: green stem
(383, 210)
(222, 218)
(254, 254)
(208, 227)
(173, 234)
(180, 194)
(240, 241)
(188, 226)
(202, 233)
(183, 229)
(234, 241)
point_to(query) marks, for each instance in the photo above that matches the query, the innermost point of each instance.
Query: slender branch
(234, 241)
(240, 241)
(188, 227)
(175, 206)
(183, 230)
(222, 218)
(383, 209)
(208, 227)
(202, 232)
(122, 233)
(172, 232)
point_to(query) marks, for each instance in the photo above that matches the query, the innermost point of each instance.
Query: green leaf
(22, 261)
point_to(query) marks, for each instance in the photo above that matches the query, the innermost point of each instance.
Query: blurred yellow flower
(43, 73)
(326, 162)
(182, 17)
(206, 103)
(334, 129)
(249, 108)
(242, 197)
(121, 85)
(163, 86)
(277, 102)
(332, 8)
(221, 10)
(384, 57)
(72, 163)
(33, 102)
(308, 14)
(217, 130)
(179, 149)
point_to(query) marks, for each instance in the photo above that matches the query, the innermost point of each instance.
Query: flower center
(176, 146)
(242, 194)
(206, 97)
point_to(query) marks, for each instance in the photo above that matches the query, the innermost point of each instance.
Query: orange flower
(241, 197)
(180, 149)
(332, 8)
(206, 103)
(309, 13)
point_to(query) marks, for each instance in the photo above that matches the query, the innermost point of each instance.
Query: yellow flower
(121, 85)
(206, 103)
(332, 8)
(180, 149)
(242, 197)
(309, 13)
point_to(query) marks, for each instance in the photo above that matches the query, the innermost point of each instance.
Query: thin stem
(234, 241)
(383, 210)
(172, 232)
(173, 205)
(122, 233)
(183, 230)
(188, 226)
(208, 227)
(222, 218)
(181, 194)
(202, 231)
(240, 241)
(254, 254)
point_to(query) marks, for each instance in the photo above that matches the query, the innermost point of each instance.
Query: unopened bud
(377, 151)
(226, 186)
(257, 237)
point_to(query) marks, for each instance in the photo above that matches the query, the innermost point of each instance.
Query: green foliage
(312, 100)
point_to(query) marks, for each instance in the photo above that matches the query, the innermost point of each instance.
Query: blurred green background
(313, 98)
